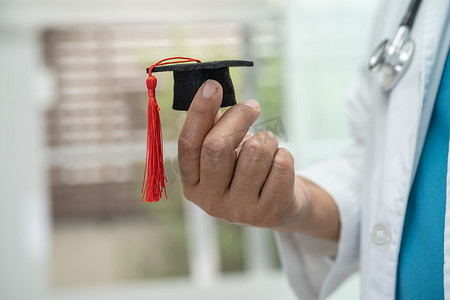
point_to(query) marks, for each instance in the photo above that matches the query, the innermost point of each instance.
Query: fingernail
(209, 89)
(252, 103)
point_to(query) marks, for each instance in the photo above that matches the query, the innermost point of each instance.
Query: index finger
(199, 121)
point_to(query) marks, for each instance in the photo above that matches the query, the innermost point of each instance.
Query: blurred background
(73, 127)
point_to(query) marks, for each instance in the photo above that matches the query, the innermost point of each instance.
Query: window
(96, 138)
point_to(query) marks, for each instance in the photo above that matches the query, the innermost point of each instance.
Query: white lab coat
(370, 182)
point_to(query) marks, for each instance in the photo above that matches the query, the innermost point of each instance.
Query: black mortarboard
(189, 77)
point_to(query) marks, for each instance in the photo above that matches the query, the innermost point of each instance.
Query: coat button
(381, 235)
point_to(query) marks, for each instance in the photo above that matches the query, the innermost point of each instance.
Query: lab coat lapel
(400, 139)
(433, 61)
(415, 94)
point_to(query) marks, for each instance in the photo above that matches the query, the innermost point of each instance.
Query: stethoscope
(391, 58)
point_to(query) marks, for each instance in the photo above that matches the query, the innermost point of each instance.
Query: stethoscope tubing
(410, 16)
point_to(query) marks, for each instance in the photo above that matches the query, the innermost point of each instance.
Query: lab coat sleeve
(316, 267)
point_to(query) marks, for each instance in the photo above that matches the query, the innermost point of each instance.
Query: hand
(235, 176)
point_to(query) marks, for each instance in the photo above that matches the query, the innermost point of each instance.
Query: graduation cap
(189, 74)
(189, 77)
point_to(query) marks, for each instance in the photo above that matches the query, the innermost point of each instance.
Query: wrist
(318, 216)
(301, 219)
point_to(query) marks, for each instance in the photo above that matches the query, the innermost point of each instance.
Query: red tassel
(154, 175)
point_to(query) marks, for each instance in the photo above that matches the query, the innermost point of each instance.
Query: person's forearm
(320, 218)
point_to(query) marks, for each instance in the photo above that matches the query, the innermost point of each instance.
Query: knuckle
(240, 109)
(242, 112)
(262, 144)
(214, 148)
(283, 161)
(185, 144)
(268, 137)
(255, 147)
